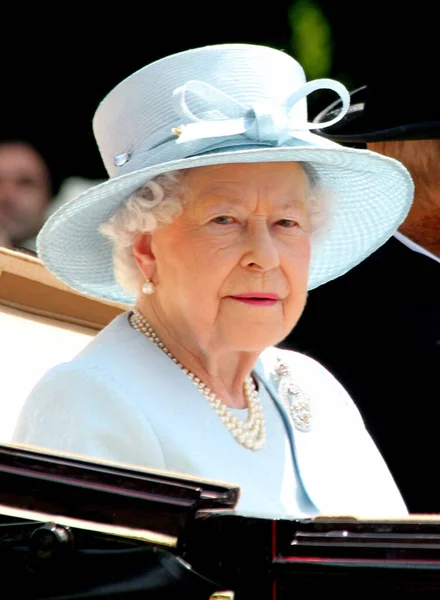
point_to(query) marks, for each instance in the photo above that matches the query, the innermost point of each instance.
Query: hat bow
(209, 114)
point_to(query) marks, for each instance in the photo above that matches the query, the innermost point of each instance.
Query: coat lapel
(336, 461)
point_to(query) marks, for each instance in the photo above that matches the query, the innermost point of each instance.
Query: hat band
(216, 117)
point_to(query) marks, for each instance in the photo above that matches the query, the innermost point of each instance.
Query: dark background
(57, 64)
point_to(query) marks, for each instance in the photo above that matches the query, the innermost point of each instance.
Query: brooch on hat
(121, 159)
(295, 400)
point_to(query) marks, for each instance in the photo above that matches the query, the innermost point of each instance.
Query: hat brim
(352, 129)
(371, 196)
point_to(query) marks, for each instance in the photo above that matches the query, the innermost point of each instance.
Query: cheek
(307, 254)
(193, 267)
(208, 259)
(300, 254)
(32, 202)
(209, 273)
(210, 277)
(297, 266)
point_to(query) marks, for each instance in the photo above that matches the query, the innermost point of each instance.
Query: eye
(27, 181)
(223, 220)
(288, 223)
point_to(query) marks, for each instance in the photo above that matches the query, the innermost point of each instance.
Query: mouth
(257, 298)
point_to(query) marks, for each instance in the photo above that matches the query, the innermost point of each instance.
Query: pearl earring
(148, 287)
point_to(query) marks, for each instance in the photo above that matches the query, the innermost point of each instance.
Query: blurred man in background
(25, 193)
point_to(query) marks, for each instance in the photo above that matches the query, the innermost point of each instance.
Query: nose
(261, 253)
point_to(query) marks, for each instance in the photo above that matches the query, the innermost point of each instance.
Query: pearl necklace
(252, 433)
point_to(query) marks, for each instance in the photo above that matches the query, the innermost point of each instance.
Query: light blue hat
(229, 103)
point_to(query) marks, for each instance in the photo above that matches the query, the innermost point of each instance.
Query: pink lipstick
(257, 298)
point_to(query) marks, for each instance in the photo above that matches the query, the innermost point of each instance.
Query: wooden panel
(26, 285)
(37, 298)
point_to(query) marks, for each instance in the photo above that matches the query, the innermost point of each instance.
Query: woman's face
(232, 269)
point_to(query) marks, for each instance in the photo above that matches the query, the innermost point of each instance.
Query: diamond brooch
(295, 400)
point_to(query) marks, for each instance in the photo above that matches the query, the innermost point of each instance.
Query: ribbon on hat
(216, 114)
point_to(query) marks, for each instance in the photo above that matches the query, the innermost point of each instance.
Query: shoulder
(118, 374)
(90, 382)
(105, 360)
(69, 388)
(77, 408)
(106, 345)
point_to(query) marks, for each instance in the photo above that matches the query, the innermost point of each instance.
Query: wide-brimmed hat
(227, 103)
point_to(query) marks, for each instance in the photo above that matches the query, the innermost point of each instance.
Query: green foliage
(311, 38)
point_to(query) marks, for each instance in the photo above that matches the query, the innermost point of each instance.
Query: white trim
(413, 246)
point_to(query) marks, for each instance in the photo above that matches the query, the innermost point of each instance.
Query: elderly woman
(222, 209)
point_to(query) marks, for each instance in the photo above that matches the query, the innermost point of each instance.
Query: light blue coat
(122, 399)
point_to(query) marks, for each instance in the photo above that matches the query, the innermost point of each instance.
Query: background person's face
(244, 230)
(24, 191)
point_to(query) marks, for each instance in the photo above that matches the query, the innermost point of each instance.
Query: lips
(257, 298)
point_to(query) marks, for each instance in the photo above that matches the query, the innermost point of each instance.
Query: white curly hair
(159, 201)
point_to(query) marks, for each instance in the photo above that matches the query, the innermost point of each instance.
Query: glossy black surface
(276, 559)
(107, 494)
(273, 559)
